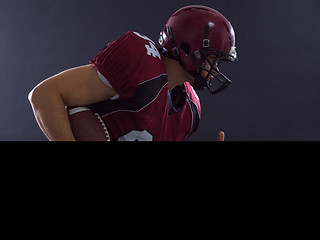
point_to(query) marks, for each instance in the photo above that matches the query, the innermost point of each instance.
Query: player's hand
(220, 137)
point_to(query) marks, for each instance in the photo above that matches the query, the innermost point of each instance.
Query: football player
(140, 91)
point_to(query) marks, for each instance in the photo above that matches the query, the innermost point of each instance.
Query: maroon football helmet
(191, 35)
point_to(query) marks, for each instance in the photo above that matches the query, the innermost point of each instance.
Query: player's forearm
(49, 110)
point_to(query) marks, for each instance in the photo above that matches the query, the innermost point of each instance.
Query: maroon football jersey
(144, 109)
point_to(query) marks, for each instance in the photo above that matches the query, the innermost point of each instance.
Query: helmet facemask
(214, 79)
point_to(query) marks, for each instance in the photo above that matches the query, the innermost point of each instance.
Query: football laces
(104, 127)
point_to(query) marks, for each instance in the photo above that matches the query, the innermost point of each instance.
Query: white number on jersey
(151, 48)
(136, 136)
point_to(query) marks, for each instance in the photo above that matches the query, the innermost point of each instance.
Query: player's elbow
(39, 94)
(32, 96)
(36, 95)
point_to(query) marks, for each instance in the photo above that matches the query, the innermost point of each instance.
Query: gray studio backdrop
(275, 94)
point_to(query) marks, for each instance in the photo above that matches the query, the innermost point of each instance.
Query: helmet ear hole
(186, 48)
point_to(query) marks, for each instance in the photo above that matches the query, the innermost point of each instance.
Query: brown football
(87, 125)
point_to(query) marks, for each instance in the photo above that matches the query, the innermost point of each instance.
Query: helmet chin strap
(175, 50)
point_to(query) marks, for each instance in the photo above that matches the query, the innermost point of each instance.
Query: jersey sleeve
(117, 62)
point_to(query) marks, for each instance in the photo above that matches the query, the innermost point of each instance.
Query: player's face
(212, 60)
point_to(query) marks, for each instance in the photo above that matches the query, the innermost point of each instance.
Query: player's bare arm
(76, 86)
